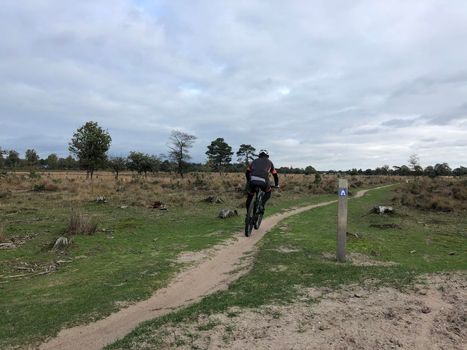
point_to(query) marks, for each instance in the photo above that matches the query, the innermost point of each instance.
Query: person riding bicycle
(257, 175)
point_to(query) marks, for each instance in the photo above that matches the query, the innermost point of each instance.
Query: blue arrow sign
(342, 192)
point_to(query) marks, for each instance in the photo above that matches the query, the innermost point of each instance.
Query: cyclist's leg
(267, 194)
(251, 189)
(249, 198)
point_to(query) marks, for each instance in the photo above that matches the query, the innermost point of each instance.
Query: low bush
(45, 186)
(39, 187)
(80, 224)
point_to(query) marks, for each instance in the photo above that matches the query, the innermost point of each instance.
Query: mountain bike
(255, 212)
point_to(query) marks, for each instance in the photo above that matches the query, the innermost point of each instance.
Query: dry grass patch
(3, 237)
(439, 194)
(80, 224)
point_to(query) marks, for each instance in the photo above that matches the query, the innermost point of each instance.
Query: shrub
(80, 224)
(44, 186)
(39, 187)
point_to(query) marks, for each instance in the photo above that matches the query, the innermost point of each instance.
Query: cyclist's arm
(248, 174)
(276, 179)
(274, 175)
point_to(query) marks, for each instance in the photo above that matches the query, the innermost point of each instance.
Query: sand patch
(432, 317)
(286, 250)
(199, 256)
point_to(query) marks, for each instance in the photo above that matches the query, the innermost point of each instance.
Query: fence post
(342, 219)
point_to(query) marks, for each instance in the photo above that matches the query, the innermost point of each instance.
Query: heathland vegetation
(390, 258)
(75, 250)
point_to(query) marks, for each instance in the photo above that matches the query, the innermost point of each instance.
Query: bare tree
(414, 164)
(179, 145)
(414, 160)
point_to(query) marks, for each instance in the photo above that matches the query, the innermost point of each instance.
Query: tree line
(90, 143)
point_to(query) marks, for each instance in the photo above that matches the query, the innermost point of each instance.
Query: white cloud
(284, 90)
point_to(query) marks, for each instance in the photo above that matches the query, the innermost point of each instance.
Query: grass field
(135, 247)
(299, 254)
(133, 252)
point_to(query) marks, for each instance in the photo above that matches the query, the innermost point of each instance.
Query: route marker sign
(342, 219)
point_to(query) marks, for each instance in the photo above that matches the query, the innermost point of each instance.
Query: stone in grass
(61, 242)
(353, 235)
(8, 245)
(159, 205)
(382, 209)
(101, 199)
(227, 213)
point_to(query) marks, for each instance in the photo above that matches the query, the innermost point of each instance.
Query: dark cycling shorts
(253, 184)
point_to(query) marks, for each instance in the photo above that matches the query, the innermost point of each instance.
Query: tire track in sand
(188, 287)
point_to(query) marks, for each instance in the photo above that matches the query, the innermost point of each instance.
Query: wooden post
(342, 219)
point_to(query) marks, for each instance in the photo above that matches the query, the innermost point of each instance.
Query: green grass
(424, 244)
(132, 254)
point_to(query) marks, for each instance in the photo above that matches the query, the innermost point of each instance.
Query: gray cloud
(446, 117)
(399, 123)
(324, 83)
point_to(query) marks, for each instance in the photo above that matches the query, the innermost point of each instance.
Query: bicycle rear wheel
(249, 220)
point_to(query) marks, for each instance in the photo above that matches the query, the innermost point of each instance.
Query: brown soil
(190, 286)
(431, 317)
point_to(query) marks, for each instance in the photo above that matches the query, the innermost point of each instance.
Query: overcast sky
(333, 84)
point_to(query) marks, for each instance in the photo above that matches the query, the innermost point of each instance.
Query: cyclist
(257, 175)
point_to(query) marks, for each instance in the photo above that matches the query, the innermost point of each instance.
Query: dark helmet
(264, 153)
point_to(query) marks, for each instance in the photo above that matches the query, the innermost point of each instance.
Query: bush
(38, 187)
(80, 224)
(44, 186)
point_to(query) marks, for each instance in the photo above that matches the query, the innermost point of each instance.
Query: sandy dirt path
(188, 287)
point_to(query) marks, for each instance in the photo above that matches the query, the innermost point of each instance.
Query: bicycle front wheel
(258, 221)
